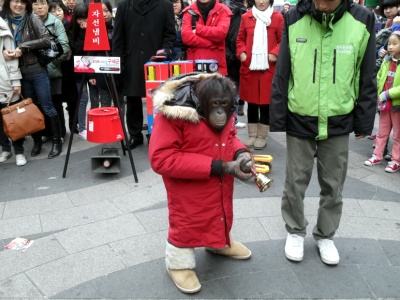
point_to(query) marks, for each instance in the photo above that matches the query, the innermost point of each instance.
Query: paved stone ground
(100, 236)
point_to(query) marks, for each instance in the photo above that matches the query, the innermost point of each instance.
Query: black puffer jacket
(324, 89)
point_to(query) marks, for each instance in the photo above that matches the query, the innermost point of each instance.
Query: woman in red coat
(206, 38)
(257, 47)
(198, 157)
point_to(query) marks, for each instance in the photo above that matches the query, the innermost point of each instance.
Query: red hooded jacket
(182, 149)
(209, 40)
(255, 86)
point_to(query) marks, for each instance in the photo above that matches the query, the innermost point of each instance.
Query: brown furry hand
(247, 164)
(233, 168)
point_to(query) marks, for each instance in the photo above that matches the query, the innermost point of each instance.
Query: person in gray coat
(142, 27)
(10, 86)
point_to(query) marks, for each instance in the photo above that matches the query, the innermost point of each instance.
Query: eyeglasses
(39, 3)
(18, 2)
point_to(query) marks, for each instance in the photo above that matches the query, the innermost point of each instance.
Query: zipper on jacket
(315, 65)
(334, 66)
(354, 72)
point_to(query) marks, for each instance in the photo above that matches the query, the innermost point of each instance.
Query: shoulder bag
(46, 55)
(21, 119)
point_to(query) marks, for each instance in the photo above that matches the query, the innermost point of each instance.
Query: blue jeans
(37, 86)
(82, 106)
(94, 96)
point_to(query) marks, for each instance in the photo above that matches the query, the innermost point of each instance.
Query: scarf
(18, 28)
(177, 23)
(205, 9)
(259, 58)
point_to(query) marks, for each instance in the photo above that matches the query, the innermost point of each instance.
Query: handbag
(46, 55)
(21, 119)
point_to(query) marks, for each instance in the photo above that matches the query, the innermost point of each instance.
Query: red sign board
(96, 38)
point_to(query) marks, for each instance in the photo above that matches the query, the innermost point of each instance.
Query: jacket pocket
(344, 72)
(305, 62)
(306, 71)
(344, 60)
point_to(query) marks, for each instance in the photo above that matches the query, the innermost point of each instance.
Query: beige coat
(9, 70)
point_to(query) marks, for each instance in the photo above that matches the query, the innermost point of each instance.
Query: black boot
(37, 144)
(134, 142)
(57, 102)
(55, 128)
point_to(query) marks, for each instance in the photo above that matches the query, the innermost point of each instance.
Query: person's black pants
(134, 117)
(258, 113)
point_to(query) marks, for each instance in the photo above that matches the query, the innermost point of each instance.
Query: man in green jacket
(324, 88)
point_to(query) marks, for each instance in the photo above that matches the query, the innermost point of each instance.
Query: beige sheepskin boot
(262, 134)
(236, 251)
(180, 263)
(249, 143)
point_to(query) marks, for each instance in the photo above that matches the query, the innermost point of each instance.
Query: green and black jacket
(325, 79)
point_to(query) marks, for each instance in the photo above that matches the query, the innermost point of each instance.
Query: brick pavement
(103, 236)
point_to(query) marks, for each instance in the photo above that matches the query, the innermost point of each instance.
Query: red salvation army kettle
(104, 125)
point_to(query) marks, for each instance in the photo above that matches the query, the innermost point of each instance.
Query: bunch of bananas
(262, 163)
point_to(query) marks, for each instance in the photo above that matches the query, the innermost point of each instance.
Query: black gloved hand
(248, 163)
(234, 168)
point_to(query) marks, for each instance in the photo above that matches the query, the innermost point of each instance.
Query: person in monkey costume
(195, 149)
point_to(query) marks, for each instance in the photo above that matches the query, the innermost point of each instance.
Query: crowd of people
(387, 54)
(309, 71)
(30, 25)
(56, 83)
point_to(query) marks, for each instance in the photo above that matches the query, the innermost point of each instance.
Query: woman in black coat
(142, 27)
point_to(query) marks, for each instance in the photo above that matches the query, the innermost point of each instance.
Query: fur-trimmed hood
(175, 98)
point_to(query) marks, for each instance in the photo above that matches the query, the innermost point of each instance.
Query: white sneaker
(83, 134)
(372, 161)
(240, 125)
(392, 167)
(20, 160)
(294, 248)
(328, 252)
(4, 156)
